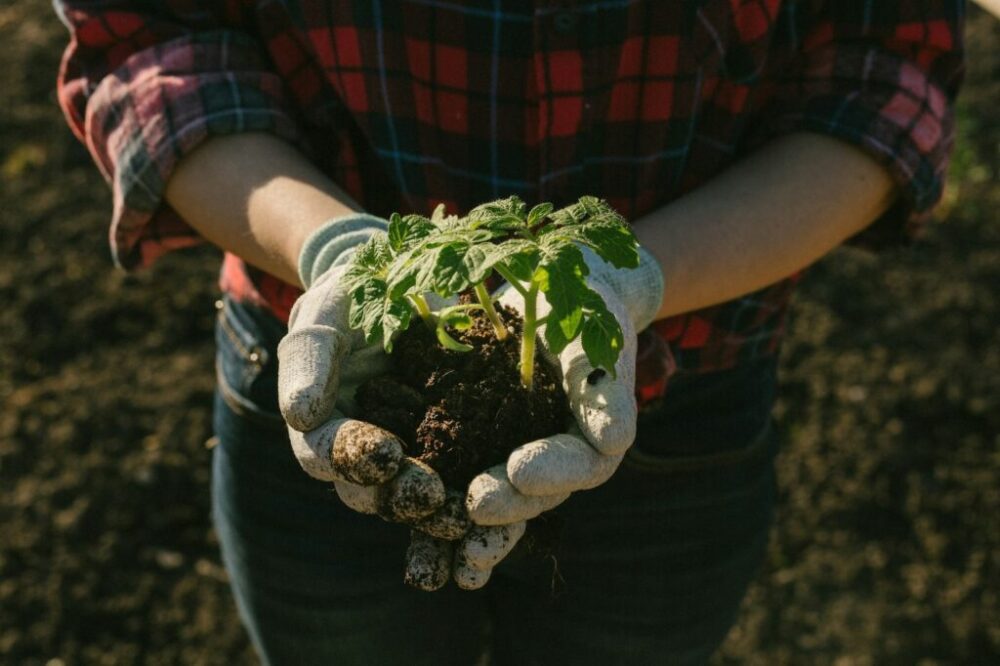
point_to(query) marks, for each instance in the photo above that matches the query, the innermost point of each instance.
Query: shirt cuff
(332, 243)
(897, 115)
(159, 106)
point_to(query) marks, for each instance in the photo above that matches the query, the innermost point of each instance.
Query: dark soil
(463, 412)
(886, 546)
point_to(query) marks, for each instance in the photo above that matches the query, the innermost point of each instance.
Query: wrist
(333, 243)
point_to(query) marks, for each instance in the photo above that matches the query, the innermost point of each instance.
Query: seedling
(536, 251)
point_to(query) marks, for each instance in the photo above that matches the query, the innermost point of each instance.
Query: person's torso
(410, 104)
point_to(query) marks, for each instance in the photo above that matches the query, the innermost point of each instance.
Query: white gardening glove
(431, 561)
(540, 475)
(321, 361)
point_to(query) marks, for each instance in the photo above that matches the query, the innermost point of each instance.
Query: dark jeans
(650, 567)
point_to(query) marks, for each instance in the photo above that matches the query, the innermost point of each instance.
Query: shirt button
(564, 22)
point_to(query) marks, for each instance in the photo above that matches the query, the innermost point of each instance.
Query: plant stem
(424, 310)
(514, 282)
(487, 303)
(528, 338)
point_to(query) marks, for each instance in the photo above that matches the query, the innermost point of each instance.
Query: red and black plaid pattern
(408, 104)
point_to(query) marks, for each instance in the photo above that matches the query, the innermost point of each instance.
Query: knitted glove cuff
(640, 289)
(331, 244)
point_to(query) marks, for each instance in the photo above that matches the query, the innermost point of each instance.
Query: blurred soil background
(887, 544)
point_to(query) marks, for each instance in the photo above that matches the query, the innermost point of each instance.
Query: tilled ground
(887, 546)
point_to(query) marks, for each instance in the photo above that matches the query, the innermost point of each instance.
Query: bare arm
(256, 196)
(992, 6)
(767, 217)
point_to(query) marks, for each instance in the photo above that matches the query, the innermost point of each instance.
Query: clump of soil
(463, 412)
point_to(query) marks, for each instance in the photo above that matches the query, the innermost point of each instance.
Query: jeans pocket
(758, 448)
(711, 421)
(246, 365)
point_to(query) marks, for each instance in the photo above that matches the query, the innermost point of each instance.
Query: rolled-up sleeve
(143, 85)
(882, 75)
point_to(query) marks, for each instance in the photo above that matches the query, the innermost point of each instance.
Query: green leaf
(612, 243)
(369, 262)
(449, 342)
(523, 264)
(424, 268)
(476, 262)
(374, 254)
(376, 314)
(506, 223)
(448, 273)
(480, 259)
(445, 222)
(602, 337)
(444, 269)
(404, 232)
(587, 209)
(561, 276)
(511, 205)
(464, 236)
(396, 318)
(457, 317)
(356, 276)
(595, 224)
(555, 339)
(449, 266)
(538, 214)
(397, 232)
(402, 273)
(363, 302)
(501, 215)
(438, 215)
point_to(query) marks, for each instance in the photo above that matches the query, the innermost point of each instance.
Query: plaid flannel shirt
(408, 104)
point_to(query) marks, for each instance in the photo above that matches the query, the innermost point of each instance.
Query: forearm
(769, 216)
(256, 196)
(992, 6)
